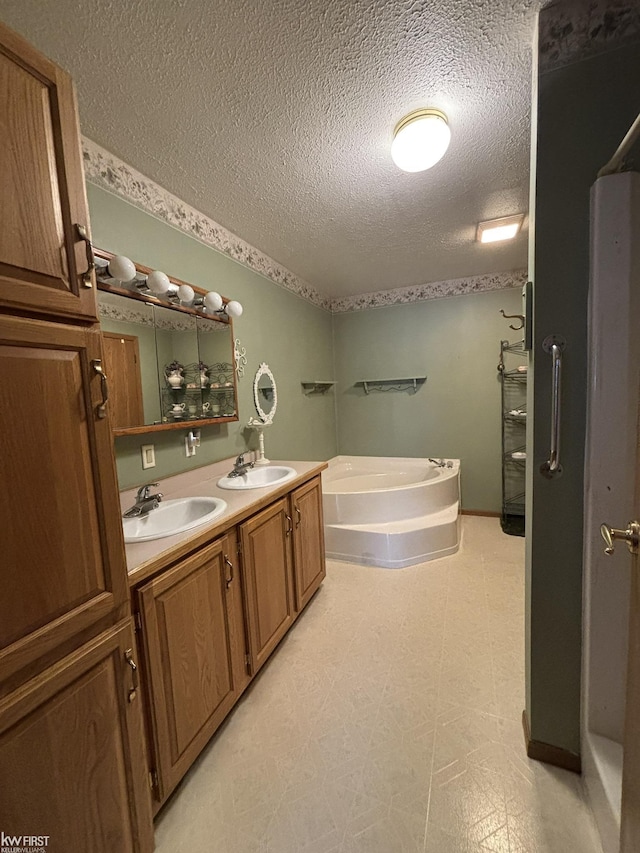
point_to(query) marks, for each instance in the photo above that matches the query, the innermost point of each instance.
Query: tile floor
(388, 721)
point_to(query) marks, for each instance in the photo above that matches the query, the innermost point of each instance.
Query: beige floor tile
(388, 721)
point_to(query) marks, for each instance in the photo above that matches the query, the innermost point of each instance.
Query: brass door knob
(631, 536)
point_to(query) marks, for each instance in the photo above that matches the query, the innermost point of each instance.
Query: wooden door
(630, 811)
(266, 558)
(63, 564)
(308, 540)
(42, 193)
(122, 366)
(71, 749)
(194, 647)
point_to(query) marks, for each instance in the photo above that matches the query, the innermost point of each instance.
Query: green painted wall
(455, 342)
(583, 111)
(291, 335)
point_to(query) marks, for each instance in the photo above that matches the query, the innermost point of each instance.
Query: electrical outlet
(148, 456)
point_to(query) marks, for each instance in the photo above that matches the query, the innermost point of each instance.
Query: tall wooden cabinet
(70, 718)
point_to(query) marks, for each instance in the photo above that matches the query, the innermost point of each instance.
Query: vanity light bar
(121, 269)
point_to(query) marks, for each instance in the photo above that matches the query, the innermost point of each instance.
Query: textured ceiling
(275, 119)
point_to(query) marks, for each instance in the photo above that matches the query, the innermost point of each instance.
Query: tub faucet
(439, 463)
(240, 467)
(145, 501)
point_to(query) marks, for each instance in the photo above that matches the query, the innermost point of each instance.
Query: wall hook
(514, 317)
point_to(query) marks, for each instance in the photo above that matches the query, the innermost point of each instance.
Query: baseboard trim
(483, 512)
(555, 755)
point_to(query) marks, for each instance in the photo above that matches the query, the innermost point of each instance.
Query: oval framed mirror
(265, 394)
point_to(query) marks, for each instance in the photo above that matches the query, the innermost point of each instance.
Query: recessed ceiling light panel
(494, 230)
(420, 139)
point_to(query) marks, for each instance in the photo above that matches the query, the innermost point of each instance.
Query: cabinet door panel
(194, 648)
(309, 561)
(71, 745)
(122, 365)
(41, 186)
(268, 577)
(62, 568)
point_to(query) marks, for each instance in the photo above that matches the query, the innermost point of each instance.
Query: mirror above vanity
(169, 355)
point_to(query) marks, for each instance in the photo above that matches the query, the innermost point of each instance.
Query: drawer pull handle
(133, 692)
(101, 411)
(229, 580)
(91, 264)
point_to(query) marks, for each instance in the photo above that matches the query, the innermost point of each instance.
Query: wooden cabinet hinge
(239, 548)
(247, 663)
(137, 621)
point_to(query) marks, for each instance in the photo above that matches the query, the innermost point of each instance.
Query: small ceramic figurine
(204, 374)
(174, 373)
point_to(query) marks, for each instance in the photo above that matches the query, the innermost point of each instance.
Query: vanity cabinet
(71, 745)
(42, 256)
(268, 573)
(194, 654)
(207, 623)
(308, 540)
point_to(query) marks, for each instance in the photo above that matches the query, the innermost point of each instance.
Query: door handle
(298, 516)
(554, 344)
(289, 525)
(83, 235)
(631, 536)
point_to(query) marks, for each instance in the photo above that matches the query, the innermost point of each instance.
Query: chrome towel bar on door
(554, 344)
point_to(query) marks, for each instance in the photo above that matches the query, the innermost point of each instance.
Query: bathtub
(391, 512)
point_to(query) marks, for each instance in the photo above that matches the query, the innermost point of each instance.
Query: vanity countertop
(147, 558)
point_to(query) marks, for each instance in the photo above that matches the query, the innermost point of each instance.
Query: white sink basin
(172, 517)
(258, 478)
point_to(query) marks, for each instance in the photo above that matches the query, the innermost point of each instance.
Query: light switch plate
(148, 456)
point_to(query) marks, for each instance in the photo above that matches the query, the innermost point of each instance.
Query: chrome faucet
(145, 501)
(441, 463)
(240, 467)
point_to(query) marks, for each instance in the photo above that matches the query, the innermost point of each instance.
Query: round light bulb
(420, 140)
(158, 282)
(213, 301)
(121, 268)
(186, 293)
(233, 308)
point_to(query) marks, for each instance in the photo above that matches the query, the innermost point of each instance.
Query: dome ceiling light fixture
(420, 139)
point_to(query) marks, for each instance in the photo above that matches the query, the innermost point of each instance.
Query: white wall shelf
(410, 384)
(317, 386)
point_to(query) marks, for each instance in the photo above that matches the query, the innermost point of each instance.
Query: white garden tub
(390, 511)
